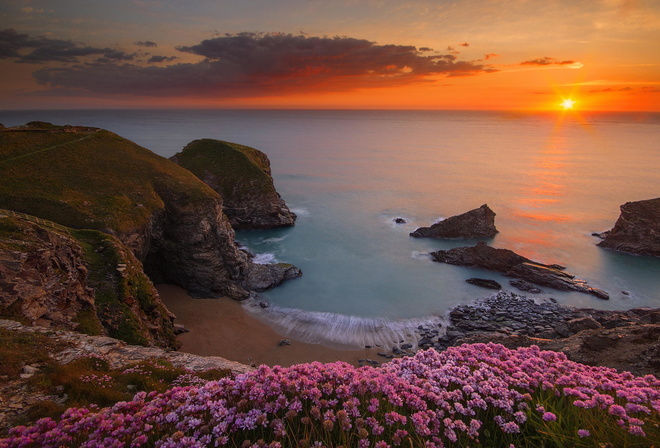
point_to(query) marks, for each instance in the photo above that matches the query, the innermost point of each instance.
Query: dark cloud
(488, 56)
(11, 42)
(547, 61)
(146, 43)
(465, 44)
(158, 59)
(41, 49)
(250, 64)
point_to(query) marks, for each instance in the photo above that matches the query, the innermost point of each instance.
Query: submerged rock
(637, 230)
(511, 264)
(242, 176)
(484, 283)
(477, 223)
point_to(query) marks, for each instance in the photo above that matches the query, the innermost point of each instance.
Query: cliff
(637, 230)
(87, 178)
(78, 280)
(242, 176)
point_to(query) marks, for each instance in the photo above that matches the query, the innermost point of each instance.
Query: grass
(124, 300)
(239, 170)
(18, 349)
(90, 179)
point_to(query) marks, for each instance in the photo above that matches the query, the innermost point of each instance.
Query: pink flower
(549, 417)
(583, 433)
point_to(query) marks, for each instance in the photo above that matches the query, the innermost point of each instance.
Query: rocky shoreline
(624, 340)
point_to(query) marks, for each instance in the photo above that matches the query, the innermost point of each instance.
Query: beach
(221, 327)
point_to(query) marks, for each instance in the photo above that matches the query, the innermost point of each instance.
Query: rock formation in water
(93, 179)
(242, 176)
(637, 230)
(511, 264)
(477, 223)
(82, 280)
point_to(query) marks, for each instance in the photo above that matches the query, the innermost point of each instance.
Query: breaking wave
(301, 211)
(265, 258)
(340, 330)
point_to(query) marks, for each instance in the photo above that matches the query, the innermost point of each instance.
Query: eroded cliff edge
(93, 179)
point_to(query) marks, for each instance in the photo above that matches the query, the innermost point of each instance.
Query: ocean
(552, 178)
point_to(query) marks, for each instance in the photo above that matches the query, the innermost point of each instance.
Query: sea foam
(340, 330)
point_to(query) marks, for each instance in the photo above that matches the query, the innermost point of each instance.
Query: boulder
(484, 283)
(637, 230)
(261, 277)
(525, 286)
(511, 264)
(477, 223)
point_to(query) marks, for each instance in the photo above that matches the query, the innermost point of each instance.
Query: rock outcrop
(637, 230)
(86, 281)
(511, 264)
(93, 179)
(242, 176)
(43, 279)
(477, 223)
(624, 340)
(265, 276)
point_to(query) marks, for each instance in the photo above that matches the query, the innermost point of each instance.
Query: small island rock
(484, 283)
(637, 230)
(513, 265)
(477, 223)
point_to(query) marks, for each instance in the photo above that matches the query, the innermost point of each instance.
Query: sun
(568, 104)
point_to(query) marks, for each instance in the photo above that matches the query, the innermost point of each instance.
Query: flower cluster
(431, 399)
(103, 381)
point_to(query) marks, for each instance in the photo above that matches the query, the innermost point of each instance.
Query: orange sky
(426, 54)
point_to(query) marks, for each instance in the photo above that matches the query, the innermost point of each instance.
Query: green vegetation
(116, 289)
(90, 381)
(18, 349)
(89, 179)
(239, 170)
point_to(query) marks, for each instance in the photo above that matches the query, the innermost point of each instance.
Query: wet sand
(221, 327)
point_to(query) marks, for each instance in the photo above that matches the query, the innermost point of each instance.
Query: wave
(301, 211)
(272, 240)
(340, 330)
(418, 255)
(264, 258)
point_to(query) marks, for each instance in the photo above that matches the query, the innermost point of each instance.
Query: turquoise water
(551, 178)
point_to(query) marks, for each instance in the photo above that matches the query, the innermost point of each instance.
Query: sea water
(551, 178)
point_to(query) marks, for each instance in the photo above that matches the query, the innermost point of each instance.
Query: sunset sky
(373, 54)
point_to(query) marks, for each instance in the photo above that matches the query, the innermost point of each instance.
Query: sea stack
(477, 223)
(637, 231)
(241, 175)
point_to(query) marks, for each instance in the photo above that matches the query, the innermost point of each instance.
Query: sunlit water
(551, 178)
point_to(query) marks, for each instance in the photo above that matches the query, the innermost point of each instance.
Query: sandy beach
(221, 327)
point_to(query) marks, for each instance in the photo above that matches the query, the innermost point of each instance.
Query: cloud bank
(237, 65)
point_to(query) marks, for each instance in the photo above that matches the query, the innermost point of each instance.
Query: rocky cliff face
(477, 223)
(82, 280)
(242, 177)
(42, 277)
(192, 246)
(93, 179)
(637, 230)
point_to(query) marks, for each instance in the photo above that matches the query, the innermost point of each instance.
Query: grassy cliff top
(88, 178)
(239, 169)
